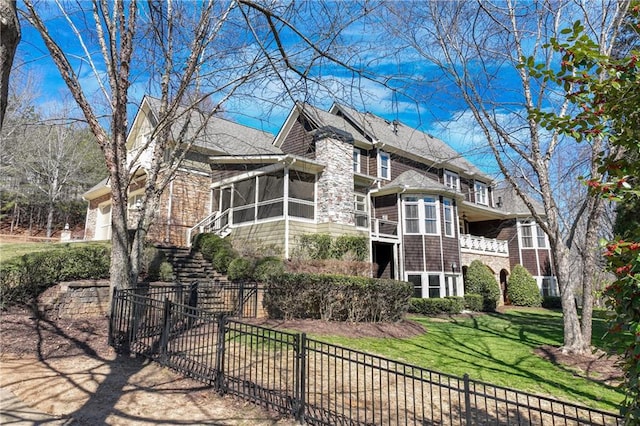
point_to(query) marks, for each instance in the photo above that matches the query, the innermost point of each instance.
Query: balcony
(481, 245)
(384, 229)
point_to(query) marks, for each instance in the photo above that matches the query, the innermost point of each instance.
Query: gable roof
(412, 180)
(512, 204)
(218, 135)
(399, 137)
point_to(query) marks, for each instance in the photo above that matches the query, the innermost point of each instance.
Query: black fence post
(220, 352)
(467, 399)
(301, 376)
(166, 330)
(192, 303)
(113, 314)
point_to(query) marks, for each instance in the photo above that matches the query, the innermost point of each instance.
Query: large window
(411, 215)
(532, 235)
(447, 207)
(421, 215)
(451, 285)
(548, 286)
(451, 180)
(481, 192)
(430, 215)
(384, 165)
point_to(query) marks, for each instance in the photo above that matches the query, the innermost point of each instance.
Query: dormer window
(384, 165)
(481, 192)
(452, 180)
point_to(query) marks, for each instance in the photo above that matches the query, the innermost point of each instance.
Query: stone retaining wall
(75, 299)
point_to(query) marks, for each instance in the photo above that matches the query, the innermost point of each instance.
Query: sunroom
(271, 189)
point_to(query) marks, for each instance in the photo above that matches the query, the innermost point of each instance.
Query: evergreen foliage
(522, 288)
(480, 280)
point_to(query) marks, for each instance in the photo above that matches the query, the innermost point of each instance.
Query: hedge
(473, 302)
(436, 306)
(336, 298)
(522, 288)
(24, 278)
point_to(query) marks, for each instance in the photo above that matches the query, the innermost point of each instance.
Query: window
(481, 193)
(302, 194)
(416, 280)
(434, 286)
(411, 216)
(448, 217)
(527, 238)
(548, 286)
(451, 180)
(356, 160)
(384, 165)
(360, 208)
(532, 235)
(135, 201)
(542, 240)
(430, 215)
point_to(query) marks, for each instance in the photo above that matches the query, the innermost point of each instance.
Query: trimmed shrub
(480, 280)
(323, 247)
(336, 298)
(522, 288)
(216, 250)
(24, 278)
(222, 258)
(354, 247)
(473, 302)
(268, 267)
(165, 272)
(431, 307)
(552, 302)
(240, 268)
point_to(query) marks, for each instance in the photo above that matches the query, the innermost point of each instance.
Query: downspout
(399, 258)
(167, 235)
(285, 207)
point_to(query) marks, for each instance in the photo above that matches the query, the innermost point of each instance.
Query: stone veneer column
(335, 184)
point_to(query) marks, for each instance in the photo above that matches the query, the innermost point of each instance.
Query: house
(426, 210)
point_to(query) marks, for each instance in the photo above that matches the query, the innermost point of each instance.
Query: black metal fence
(316, 382)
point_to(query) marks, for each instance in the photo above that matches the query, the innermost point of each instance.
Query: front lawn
(499, 349)
(10, 251)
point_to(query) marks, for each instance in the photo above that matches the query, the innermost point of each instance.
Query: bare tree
(9, 39)
(216, 50)
(480, 51)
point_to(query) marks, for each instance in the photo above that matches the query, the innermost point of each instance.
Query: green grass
(10, 251)
(498, 349)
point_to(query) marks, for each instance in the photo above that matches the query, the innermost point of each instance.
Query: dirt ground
(66, 369)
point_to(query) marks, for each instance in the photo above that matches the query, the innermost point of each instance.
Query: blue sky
(438, 114)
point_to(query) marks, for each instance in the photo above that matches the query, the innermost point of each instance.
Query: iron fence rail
(316, 382)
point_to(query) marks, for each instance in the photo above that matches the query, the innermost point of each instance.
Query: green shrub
(23, 279)
(336, 298)
(268, 267)
(216, 250)
(473, 302)
(480, 280)
(165, 272)
(436, 306)
(323, 246)
(522, 288)
(552, 302)
(222, 258)
(240, 268)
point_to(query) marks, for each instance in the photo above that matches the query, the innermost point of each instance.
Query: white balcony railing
(492, 246)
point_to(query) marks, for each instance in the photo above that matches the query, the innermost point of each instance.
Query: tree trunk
(9, 39)
(573, 340)
(49, 219)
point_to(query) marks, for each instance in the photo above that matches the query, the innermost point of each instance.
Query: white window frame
(451, 180)
(357, 165)
(387, 175)
(435, 204)
(133, 199)
(481, 191)
(360, 208)
(537, 237)
(553, 286)
(412, 201)
(447, 207)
